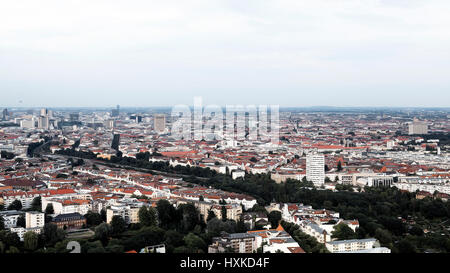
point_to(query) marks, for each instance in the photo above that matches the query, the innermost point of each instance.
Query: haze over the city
(286, 52)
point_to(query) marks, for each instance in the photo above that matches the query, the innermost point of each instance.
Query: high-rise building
(109, 124)
(5, 114)
(43, 122)
(160, 123)
(28, 123)
(315, 169)
(115, 112)
(418, 128)
(34, 219)
(44, 112)
(74, 117)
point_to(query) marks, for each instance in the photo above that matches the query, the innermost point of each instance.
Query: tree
(190, 217)
(93, 219)
(15, 205)
(224, 213)
(52, 234)
(211, 215)
(194, 243)
(49, 209)
(384, 236)
(167, 214)
(339, 166)
(21, 221)
(274, 218)
(216, 226)
(241, 227)
(36, 205)
(103, 214)
(118, 225)
(405, 246)
(173, 238)
(103, 232)
(147, 216)
(30, 240)
(343, 232)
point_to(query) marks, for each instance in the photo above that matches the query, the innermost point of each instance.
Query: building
(418, 128)
(20, 231)
(237, 173)
(74, 117)
(67, 204)
(345, 246)
(235, 242)
(34, 219)
(154, 249)
(70, 221)
(380, 181)
(109, 124)
(234, 211)
(315, 169)
(5, 114)
(10, 218)
(115, 112)
(160, 123)
(43, 122)
(129, 213)
(28, 123)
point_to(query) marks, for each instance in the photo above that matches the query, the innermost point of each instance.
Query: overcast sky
(286, 52)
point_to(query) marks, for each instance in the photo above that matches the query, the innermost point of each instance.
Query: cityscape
(117, 181)
(224, 135)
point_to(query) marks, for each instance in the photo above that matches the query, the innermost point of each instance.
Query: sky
(142, 53)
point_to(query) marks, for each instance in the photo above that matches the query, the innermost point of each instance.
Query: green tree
(118, 225)
(52, 234)
(405, 246)
(103, 232)
(339, 166)
(384, 236)
(173, 238)
(15, 205)
(49, 209)
(93, 219)
(190, 217)
(21, 221)
(167, 214)
(13, 250)
(194, 243)
(274, 218)
(36, 205)
(343, 232)
(30, 241)
(224, 212)
(211, 215)
(147, 216)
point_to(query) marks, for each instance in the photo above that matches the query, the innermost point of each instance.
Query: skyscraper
(115, 112)
(160, 123)
(5, 114)
(418, 127)
(315, 169)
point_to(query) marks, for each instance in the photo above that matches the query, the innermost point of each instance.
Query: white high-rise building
(160, 123)
(418, 128)
(28, 123)
(34, 219)
(43, 122)
(315, 169)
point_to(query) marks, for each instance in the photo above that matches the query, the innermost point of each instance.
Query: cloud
(161, 48)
